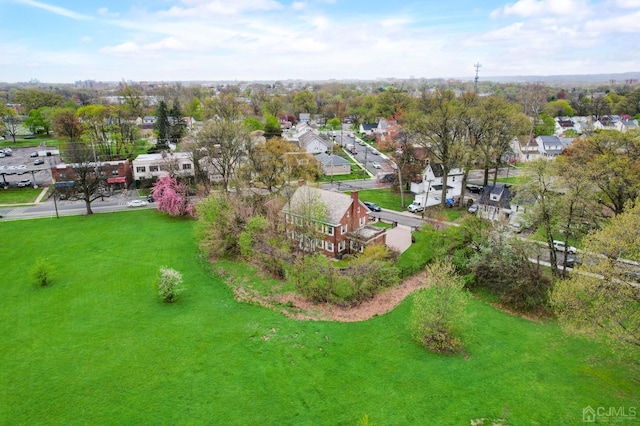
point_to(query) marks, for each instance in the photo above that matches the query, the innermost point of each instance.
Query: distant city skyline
(62, 41)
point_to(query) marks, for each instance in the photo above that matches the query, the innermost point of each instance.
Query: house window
(453, 178)
(154, 168)
(319, 243)
(329, 246)
(341, 245)
(362, 221)
(141, 169)
(114, 173)
(329, 230)
(186, 166)
(343, 229)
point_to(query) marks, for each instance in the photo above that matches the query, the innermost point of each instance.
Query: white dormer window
(494, 197)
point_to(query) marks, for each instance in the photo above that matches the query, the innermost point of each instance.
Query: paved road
(67, 208)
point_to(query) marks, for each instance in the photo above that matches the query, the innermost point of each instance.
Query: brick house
(343, 228)
(119, 174)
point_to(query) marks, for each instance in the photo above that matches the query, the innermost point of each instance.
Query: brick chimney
(354, 196)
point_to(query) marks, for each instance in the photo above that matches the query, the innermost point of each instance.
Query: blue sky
(62, 41)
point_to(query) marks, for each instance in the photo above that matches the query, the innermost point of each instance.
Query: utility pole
(475, 80)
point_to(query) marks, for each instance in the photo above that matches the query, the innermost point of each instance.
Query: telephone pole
(475, 80)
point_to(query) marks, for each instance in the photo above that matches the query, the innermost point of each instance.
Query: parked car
(34, 154)
(38, 162)
(473, 208)
(29, 137)
(2, 154)
(376, 165)
(24, 183)
(372, 206)
(7, 151)
(560, 246)
(475, 189)
(572, 261)
(150, 198)
(374, 152)
(415, 207)
(137, 203)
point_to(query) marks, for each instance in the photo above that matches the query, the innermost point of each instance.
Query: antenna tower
(475, 80)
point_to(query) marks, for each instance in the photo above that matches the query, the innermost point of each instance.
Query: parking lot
(23, 164)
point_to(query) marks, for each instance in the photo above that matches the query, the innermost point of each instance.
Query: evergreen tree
(162, 126)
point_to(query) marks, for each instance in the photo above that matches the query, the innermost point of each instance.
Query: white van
(560, 246)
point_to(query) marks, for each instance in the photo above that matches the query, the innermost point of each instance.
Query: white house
(313, 144)
(148, 166)
(552, 146)
(429, 190)
(333, 164)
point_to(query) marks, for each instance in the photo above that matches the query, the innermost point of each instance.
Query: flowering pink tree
(172, 197)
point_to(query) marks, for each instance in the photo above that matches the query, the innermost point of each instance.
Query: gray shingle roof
(337, 203)
(328, 160)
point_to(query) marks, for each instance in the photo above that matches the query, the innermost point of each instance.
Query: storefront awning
(117, 180)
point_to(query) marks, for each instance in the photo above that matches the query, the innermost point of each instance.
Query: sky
(62, 41)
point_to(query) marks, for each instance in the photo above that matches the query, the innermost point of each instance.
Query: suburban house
(312, 143)
(384, 126)
(118, 173)
(333, 164)
(564, 124)
(495, 203)
(429, 189)
(148, 121)
(304, 118)
(149, 166)
(525, 149)
(368, 128)
(342, 227)
(552, 146)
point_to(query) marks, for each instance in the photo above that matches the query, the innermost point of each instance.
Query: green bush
(41, 273)
(438, 315)
(318, 280)
(169, 285)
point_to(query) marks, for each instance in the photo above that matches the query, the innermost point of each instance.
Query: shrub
(438, 315)
(41, 273)
(169, 284)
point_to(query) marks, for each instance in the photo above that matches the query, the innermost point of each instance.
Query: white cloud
(628, 4)
(620, 23)
(205, 8)
(55, 9)
(540, 8)
(298, 5)
(86, 39)
(103, 11)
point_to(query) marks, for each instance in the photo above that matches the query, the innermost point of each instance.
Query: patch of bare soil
(380, 304)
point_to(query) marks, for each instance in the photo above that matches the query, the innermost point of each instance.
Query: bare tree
(533, 98)
(225, 142)
(440, 130)
(89, 177)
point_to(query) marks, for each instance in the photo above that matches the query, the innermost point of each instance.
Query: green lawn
(21, 142)
(385, 198)
(97, 347)
(19, 195)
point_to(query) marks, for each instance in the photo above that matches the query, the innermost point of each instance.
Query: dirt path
(382, 303)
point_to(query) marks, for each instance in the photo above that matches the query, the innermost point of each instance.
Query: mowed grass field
(97, 347)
